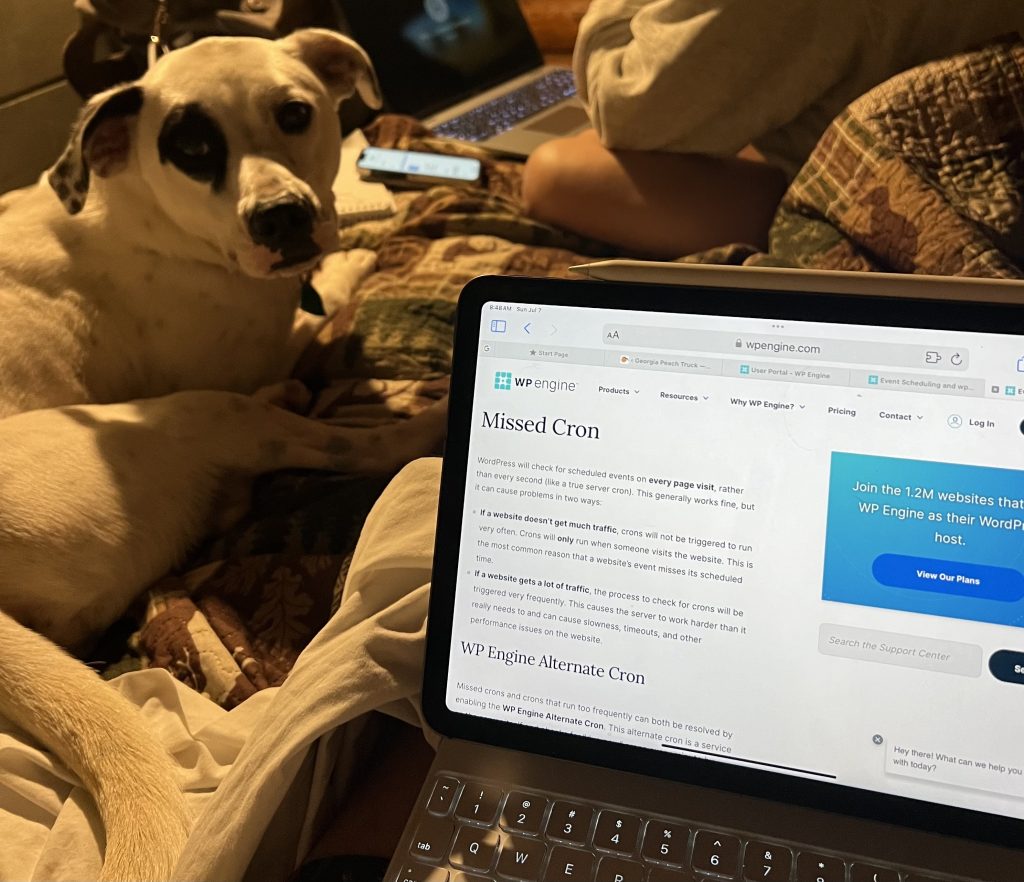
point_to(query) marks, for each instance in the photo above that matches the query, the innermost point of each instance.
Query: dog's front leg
(336, 280)
(97, 501)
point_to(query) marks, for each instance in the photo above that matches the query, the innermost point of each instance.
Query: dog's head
(235, 139)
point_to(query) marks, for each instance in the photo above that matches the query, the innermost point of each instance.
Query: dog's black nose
(282, 226)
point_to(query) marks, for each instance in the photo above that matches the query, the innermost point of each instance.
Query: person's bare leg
(660, 204)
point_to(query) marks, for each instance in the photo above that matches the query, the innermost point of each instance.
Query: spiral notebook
(358, 200)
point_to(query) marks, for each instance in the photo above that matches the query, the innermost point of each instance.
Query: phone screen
(409, 162)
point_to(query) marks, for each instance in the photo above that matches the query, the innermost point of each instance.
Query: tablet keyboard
(502, 113)
(473, 830)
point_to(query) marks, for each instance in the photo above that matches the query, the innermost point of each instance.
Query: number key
(570, 822)
(868, 873)
(616, 832)
(716, 853)
(441, 798)
(818, 868)
(479, 802)
(665, 843)
(765, 862)
(523, 813)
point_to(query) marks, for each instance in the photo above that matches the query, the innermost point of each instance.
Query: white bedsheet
(260, 776)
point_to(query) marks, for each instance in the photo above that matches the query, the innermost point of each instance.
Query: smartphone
(408, 168)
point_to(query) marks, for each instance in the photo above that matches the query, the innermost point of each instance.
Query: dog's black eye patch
(294, 117)
(192, 141)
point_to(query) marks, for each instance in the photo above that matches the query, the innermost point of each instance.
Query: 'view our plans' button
(949, 577)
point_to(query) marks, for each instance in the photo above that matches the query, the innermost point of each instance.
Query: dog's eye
(294, 117)
(192, 141)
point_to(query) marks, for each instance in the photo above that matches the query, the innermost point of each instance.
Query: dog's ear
(341, 63)
(100, 143)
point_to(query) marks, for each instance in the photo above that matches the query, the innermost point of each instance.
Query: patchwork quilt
(925, 174)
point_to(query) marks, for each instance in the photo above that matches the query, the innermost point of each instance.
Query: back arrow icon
(526, 327)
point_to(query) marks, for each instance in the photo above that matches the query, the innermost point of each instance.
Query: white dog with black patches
(139, 318)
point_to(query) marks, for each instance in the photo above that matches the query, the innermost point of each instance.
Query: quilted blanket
(924, 174)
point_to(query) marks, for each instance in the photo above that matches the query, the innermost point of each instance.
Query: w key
(521, 858)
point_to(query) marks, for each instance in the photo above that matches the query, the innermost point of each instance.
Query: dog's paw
(340, 274)
(290, 395)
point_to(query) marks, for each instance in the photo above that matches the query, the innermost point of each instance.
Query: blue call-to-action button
(949, 577)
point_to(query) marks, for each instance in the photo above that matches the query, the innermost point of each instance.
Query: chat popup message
(972, 771)
(926, 537)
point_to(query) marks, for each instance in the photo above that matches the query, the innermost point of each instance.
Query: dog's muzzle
(285, 228)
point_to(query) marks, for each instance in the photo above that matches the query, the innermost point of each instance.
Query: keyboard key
(431, 840)
(479, 802)
(616, 832)
(474, 849)
(818, 868)
(766, 862)
(667, 874)
(570, 822)
(420, 873)
(869, 873)
(440, 802)
(521, 858)
(613, 869)
(716, 853)
(665, 843)
(523, 812)
(569, 865)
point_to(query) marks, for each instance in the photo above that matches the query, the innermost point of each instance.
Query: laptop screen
(431, 54)
(780, 545)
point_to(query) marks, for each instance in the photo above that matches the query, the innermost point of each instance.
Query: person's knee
(547, 180)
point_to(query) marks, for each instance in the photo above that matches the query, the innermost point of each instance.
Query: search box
(902, 650)
(745, 345)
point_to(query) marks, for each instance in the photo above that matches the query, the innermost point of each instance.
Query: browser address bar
(748, 345)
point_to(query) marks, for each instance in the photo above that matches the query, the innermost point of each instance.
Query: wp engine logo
(505, 382)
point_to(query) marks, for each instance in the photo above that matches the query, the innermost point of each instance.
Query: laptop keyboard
(502, 113)
(472, 830)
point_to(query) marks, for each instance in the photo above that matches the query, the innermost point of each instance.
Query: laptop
(728, 584)
(469, 69)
